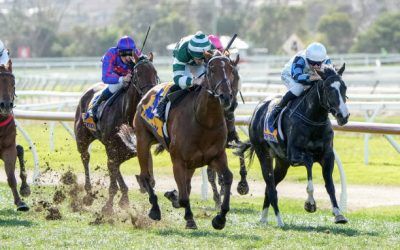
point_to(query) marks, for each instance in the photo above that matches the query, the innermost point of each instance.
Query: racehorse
(306, 137)
(8, 148)
(198, 136)
(122, 110)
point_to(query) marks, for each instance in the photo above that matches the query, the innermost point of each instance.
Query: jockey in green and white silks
(298, 73)
(187, 66)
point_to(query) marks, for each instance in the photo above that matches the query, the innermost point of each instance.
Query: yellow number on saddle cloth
(149, 109)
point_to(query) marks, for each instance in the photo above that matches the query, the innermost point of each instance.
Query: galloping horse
(306, 137)
(122, 110)
(198, 136)
(8, 148)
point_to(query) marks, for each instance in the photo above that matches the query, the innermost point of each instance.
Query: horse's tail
(159, 149)
(243, 148)
(128, 137)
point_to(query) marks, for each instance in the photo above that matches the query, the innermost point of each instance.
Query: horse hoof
(243, 188)
(107, 210)
(311, 208)
(191, 224)
(22, 207)
(218, 222)
(123, 203)
(88, 200)
(155, 213)
(25, 191)
(340, 219)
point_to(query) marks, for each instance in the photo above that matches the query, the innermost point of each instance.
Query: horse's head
(219, 75)
(7, 89)
(144, 75)
(334, 93)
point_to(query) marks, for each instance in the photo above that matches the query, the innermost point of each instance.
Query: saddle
(87, 117)
(271, 133)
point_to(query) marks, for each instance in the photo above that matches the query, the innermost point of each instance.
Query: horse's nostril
(2, 105)
(11, 105)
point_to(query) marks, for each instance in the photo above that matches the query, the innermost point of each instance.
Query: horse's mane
(329, 70)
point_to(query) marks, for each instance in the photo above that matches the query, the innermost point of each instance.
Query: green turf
(383, 167)
(367, 228)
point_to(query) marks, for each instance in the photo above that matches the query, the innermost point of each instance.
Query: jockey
(298, 73)
(4, 57)
(116, 65)
(188, 65)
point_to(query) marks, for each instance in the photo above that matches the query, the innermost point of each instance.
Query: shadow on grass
(12, 221)
(342, 230)
(203, 233)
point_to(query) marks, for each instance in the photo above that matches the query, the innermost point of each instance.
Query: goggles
(314, 63)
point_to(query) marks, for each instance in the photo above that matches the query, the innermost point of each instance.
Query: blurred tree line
(267, 24)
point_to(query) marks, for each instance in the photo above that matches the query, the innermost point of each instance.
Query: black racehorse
(305, 137)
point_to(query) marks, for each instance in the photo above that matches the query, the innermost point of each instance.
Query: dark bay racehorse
(122, 110)
(198, 136)
(308, 138)
(8, 148)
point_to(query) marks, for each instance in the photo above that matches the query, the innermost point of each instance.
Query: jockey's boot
(162, 105)
(278, 108)
(103, 97)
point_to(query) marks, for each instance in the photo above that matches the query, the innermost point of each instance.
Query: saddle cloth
(270, 132)
(149, 110)
(87, 117)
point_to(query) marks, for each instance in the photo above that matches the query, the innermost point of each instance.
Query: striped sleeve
(297, 70)
(180, 78)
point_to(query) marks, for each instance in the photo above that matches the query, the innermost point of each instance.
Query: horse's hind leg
(310, 205)
(243, 186)
(280, 171)
(9, 157)
(271, 196)
(83, 141)
(327, 169)
(221, 165)
(211, 179)
(145, 161)
(24, 190)
(183, 177)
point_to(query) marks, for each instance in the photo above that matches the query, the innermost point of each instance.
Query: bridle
(325, 102)
(135, 80)
(213, 92)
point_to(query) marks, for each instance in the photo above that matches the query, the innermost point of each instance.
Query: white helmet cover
(316, 52)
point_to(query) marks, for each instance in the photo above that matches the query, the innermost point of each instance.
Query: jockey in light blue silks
(116, 65)
(299, 73)
(188, 65)
(4, 57)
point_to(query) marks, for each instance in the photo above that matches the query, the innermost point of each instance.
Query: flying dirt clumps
(53, 214)
(59, 197)
(68, 178)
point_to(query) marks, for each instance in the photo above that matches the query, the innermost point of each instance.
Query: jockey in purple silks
(116, 65)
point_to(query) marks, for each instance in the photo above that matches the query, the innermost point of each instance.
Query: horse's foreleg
(221, 165)
(243, 186)
(83, 142)
(24, 190)
(211, 179)
(310, 205)
(327, 170)
(124, 201)
(9, 157)
(271, 196)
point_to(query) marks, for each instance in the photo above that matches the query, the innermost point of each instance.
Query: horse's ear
(226, 53)
(151, 56)
(9, 65)
(135, 57)
(236, 60)
(207, 55)
(341, 70)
